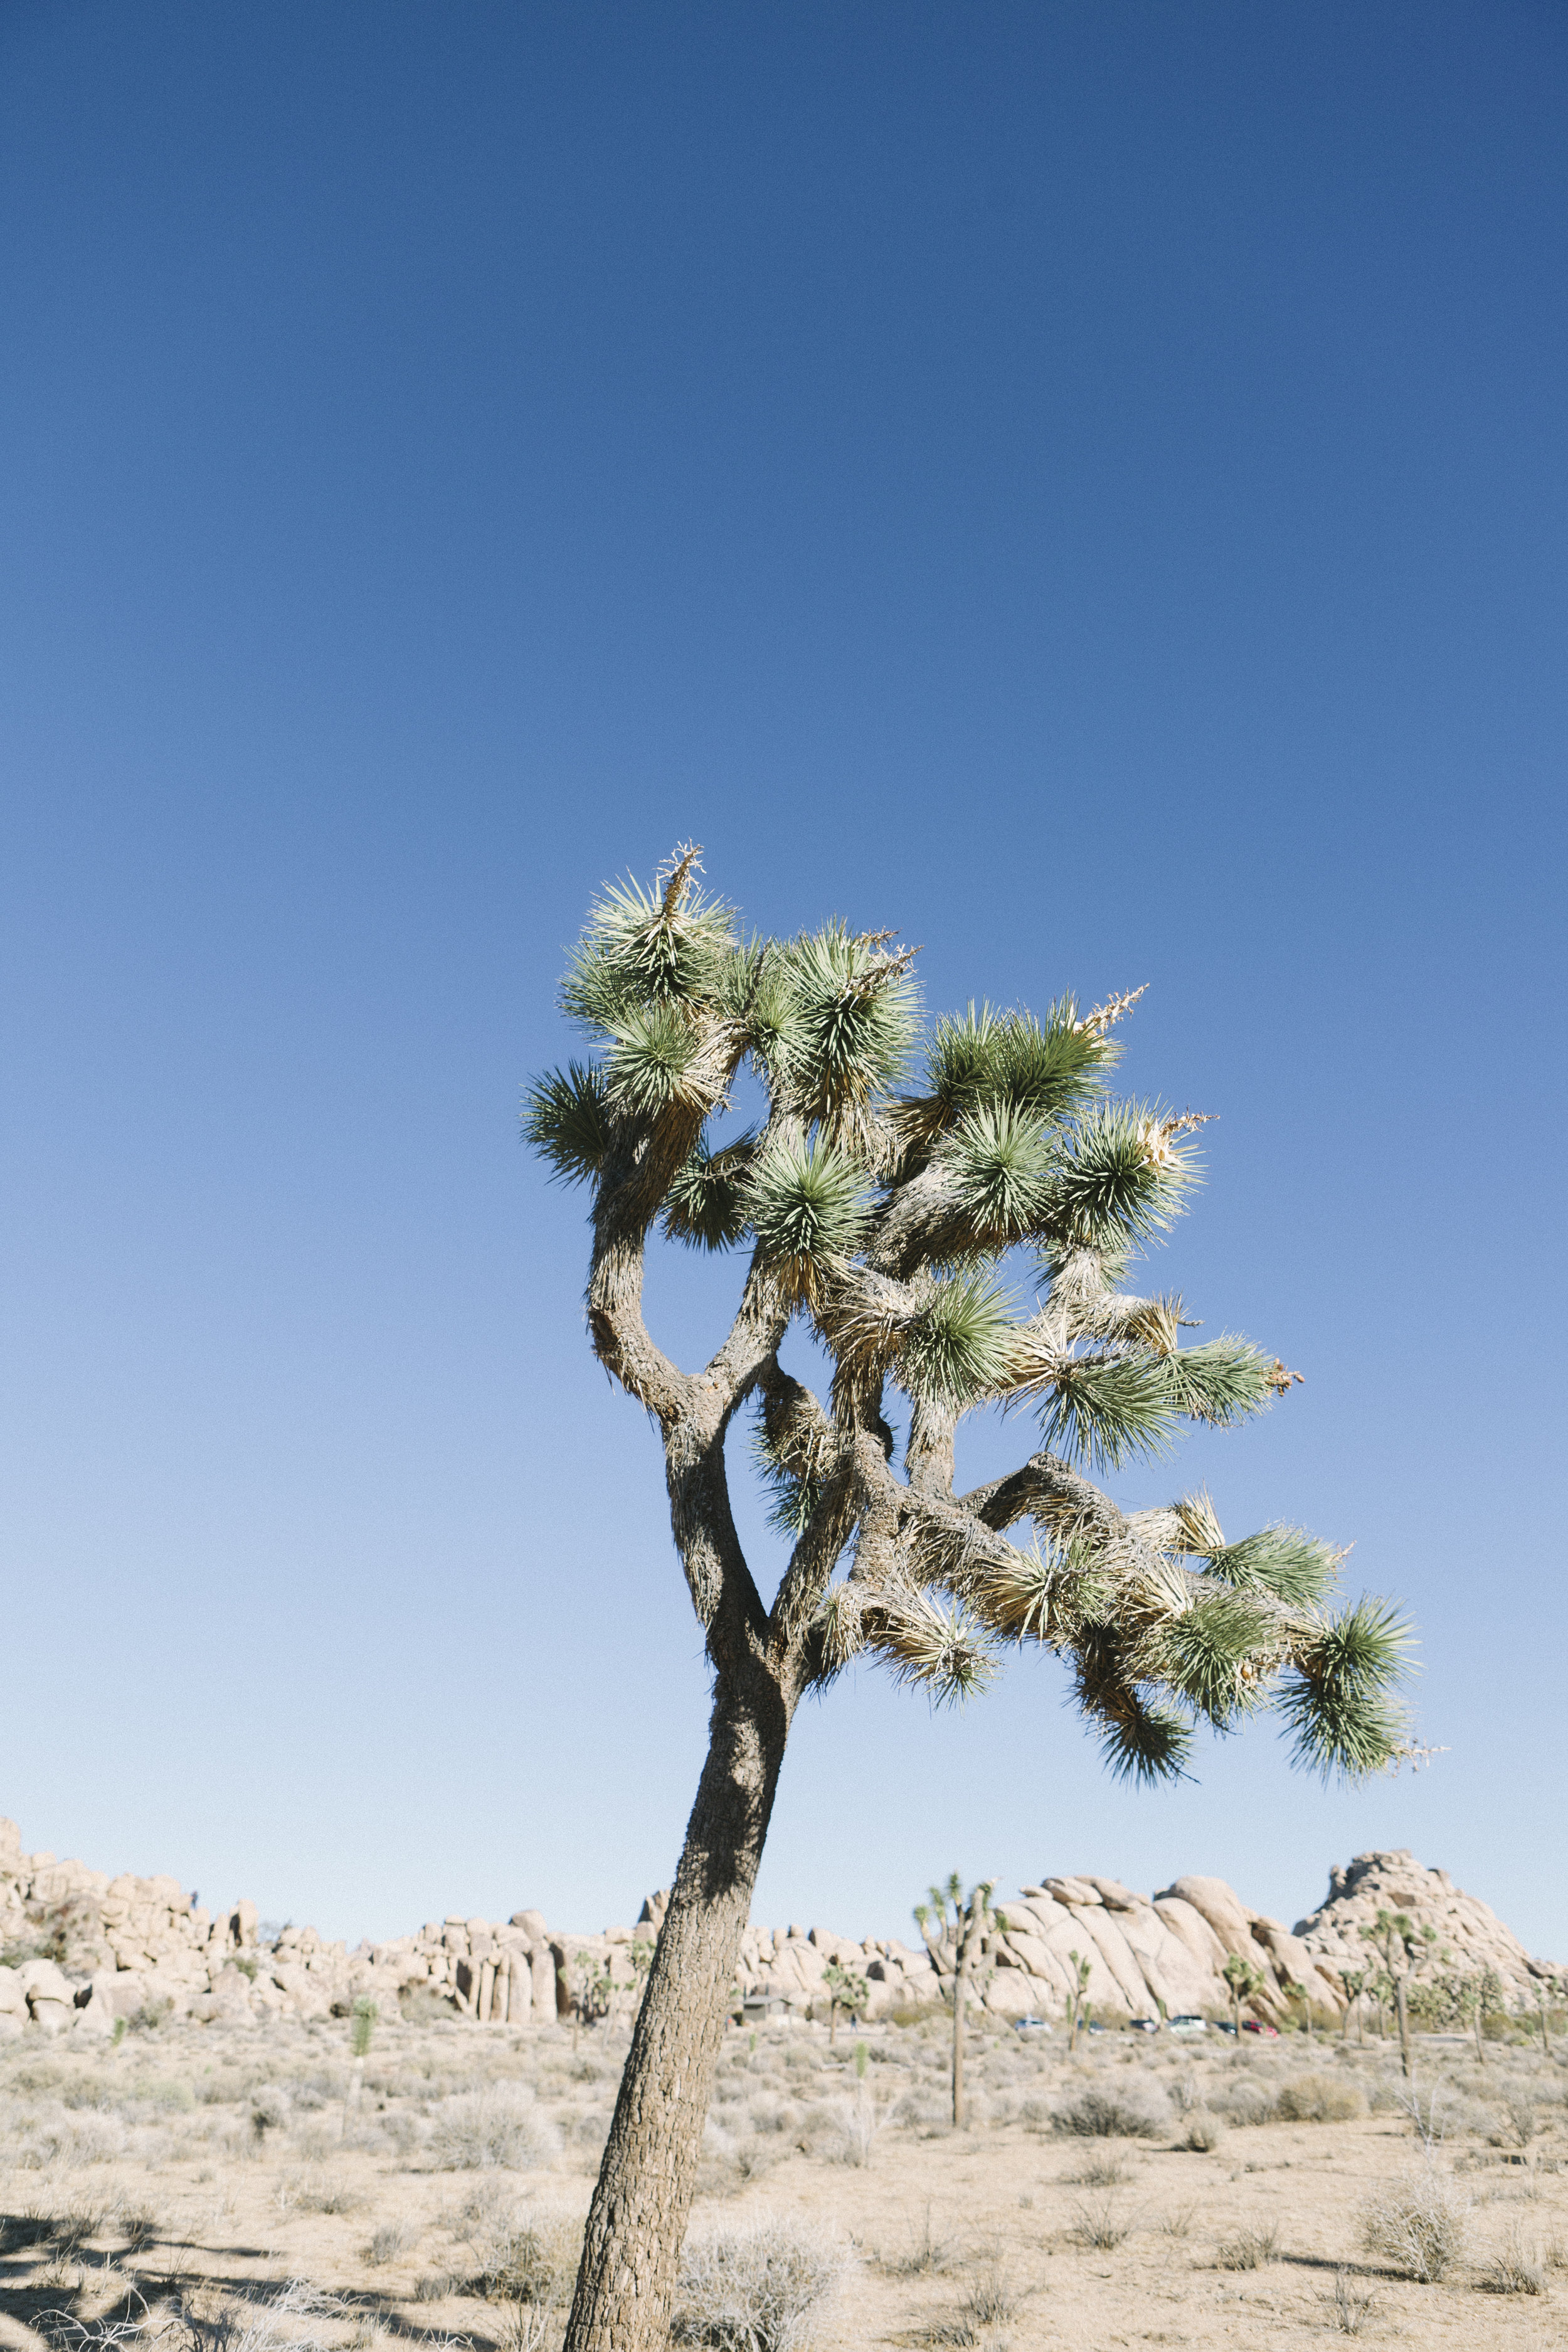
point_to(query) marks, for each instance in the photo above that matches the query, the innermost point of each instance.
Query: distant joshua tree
(954, 1939)
(1244, 1978)
(1078, 1996)
(887, 1218)
(1405, 1951)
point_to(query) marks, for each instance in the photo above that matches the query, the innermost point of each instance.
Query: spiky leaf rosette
(805, 1201)
(959, 1345)
(845, 1019)
(643, 948)
(706, 1205)
(567, 1118)
(1340, 1700)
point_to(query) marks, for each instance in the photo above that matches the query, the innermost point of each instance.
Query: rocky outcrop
(1465, 1926)
(83, 1951)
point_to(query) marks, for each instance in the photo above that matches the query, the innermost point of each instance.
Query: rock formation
(82, 1950)
(1466, 1928)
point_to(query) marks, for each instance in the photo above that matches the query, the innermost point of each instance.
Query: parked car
(1031, 2026)
(1095, 2026)
(1256, 2025)
(1188, 2023)
(1144, 2025)
(1223, 2025)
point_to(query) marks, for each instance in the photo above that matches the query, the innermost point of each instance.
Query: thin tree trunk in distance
(958, 1992)
(637, 2222)
(1400, 2005)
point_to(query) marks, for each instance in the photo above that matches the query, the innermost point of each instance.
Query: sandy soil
(255, 2188)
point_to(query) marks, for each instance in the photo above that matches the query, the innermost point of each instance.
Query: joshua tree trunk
(1403, 2010)
(959, 1989)
(637, 2222)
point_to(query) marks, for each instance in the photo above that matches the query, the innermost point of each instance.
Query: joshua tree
(1078, 1998)
(884, 1207)
(955, 1943)
(847, 1991)
(1354, 1981)
(1244, 1978)
(1404, 1950)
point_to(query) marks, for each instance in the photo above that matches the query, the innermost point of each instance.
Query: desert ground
(236, 2189)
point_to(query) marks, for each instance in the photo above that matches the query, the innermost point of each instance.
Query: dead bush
(1132, 2110)
(1417, 2224)
(1249, 2249)
(1321, 2099)
(757, 2289)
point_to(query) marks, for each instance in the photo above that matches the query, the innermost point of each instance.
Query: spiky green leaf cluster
(1295, 1567)
(568, 1119)
(959, 1345)
(805, 1201)
(1104, 1409)
(842, 1017)
(643, 948)
(706, 1205)
(1221, 1381)
(1340, 1701)
(1120, 1177)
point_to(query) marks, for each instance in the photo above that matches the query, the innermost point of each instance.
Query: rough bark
(637, 2222)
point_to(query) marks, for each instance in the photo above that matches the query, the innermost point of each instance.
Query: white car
(1188, 2025)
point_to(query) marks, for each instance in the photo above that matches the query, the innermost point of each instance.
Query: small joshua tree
(954, 1939)
(1355, 1983)
(1078, 1996)
(894, 1216)
(846, 1992)
(1404, 1950)
(1244, 1978)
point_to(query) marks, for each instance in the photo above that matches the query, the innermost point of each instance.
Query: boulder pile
(84, 1951)
(1473, 1936)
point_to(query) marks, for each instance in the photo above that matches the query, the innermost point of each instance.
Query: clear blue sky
(1083, 485)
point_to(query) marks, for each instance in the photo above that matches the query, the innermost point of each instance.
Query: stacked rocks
(1466, 1928)
(83, 1950)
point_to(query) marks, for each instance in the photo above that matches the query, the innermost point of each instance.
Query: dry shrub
(1248, 2250)
(1518, 2270)
(1416, 2222)
(1118, 2111)
(990, 2301)
(1202, 2133)
(1248, 2101)
(1321, 2099)
(760, 2288)
(1352, 2306)
(499, 2130)
(393, 2239)
(1100, 2172)
(1100, 2223)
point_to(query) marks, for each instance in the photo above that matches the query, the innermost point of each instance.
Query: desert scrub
(1517, 2270)
(1131, 2110)
(1320, 2099)
(390, 2241)
(1248, 2250)
(1418, 2222)
(1099, 2223)
(499, 2128)
(1201, 2133)
(760, 2288)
